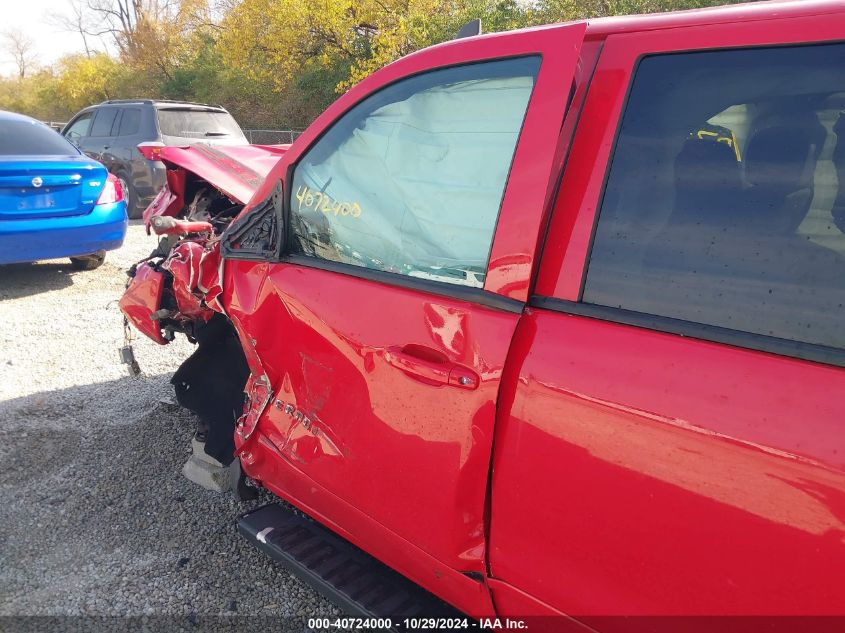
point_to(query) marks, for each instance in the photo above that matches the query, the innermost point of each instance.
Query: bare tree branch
(21, 48)
(77, 21)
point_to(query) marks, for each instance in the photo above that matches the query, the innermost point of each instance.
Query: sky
(30, 17)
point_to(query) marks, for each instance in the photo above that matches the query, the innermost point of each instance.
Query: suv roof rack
(155, 101)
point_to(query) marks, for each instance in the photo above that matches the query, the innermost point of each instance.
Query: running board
(355, 581)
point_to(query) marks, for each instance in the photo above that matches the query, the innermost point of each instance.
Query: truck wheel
(88, 262)
(130, 195)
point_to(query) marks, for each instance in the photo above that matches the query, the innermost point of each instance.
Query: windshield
(31, 138)
(198, 123)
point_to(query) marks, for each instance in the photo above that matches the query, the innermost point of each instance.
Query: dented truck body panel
(141, 301)
(237, 171)
(366, 410)
(356, 417)
(508, 456)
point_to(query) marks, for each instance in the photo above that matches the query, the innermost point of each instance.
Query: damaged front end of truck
(177, 289)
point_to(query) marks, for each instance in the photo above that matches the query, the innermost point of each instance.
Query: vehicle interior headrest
(707, 181)
(707, 164)
(783, 157)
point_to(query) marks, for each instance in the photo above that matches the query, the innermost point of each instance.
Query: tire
(88, 262)
(131, 196)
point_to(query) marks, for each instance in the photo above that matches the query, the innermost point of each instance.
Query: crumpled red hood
(237, 170)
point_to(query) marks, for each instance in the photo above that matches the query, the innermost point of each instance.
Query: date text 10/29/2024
(417, 624)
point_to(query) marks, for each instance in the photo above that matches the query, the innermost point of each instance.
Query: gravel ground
(95, 516)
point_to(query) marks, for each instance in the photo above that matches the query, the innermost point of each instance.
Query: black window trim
(607, 169)
(115, 126)
(700, 331)
(479, 296)
(474, 295)
(692, 329)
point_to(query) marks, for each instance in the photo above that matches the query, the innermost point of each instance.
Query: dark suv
(111, 131)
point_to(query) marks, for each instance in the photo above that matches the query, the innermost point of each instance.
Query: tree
(85, 80)
(284, 42)
(21, 48)
(77, 21)
(288, 40)
(272, 63)
(151, 35)
(561, 10)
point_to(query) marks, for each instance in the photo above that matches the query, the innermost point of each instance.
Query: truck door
(414, 209)
(673, 442)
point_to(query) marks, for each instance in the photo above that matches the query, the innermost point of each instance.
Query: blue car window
(30, 138)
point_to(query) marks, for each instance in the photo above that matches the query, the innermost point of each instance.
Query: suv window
(130, 122)
(411, 179)
(80, 127)
(725, 203)
(103, 122)
(196, 123)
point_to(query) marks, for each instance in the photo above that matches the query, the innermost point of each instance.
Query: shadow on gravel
(97, 518)
(24, 280)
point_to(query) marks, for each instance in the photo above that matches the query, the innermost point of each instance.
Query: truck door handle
(430, 366)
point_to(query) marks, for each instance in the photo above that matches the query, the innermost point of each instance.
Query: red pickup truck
(509, 323)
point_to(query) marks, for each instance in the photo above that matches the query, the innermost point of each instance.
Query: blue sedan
(54, 200)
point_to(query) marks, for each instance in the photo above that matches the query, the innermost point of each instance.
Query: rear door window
(725, 202)
(103, 122)
(410, 181)
(130, 122)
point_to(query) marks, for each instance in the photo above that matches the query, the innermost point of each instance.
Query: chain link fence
(271, 137)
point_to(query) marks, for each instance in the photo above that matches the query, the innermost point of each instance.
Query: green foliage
(83, 80)
(198, 78)
(279, 63)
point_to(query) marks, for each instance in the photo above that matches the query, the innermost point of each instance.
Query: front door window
(410, 181)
